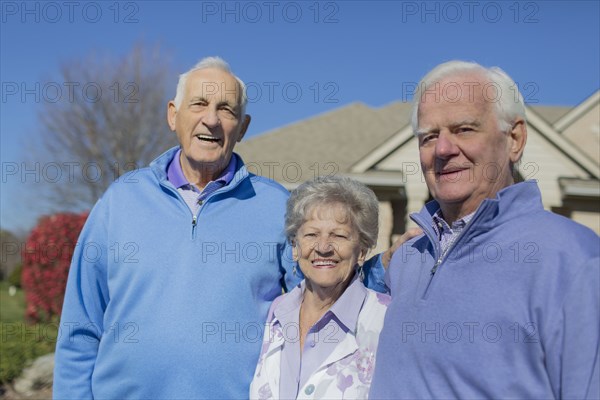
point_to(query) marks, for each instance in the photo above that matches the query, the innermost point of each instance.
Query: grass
(20, 343)
(12, 308)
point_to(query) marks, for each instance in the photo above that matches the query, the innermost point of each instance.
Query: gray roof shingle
(334, 141)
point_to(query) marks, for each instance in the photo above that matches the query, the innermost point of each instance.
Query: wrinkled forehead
(212, 83)
(464, 88)
(334, 210)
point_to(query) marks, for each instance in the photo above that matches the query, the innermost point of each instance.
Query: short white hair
(215, 63)
(358, 200)
(508, 104)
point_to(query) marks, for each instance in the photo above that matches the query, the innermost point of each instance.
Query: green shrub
(21, 343)
(14, 279)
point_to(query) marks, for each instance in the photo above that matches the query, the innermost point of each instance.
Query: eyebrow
(220, 103)
(453, 125)
(471, 122)
(421, 132)
(198, 98)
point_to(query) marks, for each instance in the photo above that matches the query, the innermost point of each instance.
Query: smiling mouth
(454, 171)
(324, 263)
(451, 176)
(207, 138)
(451, 172)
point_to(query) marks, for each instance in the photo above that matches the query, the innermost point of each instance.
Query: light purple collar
(441, 227)
(177, 178)
(345, 309)
(348, 306)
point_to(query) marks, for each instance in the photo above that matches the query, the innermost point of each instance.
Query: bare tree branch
(109, 120)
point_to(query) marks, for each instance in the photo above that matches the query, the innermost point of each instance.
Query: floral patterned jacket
(345, 374)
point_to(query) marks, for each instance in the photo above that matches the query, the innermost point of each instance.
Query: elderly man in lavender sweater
(499, 298)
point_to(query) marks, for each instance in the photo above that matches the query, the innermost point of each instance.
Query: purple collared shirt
(190, 193)
(322, 338)
(447, 234)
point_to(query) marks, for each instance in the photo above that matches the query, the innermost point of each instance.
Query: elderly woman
(321, 338)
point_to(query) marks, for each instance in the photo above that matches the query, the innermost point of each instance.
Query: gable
(547, 157)
(584, 132)
(327, 144)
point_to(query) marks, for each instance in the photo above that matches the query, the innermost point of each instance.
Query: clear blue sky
(300, 58)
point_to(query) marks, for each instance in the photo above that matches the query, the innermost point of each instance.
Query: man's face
(208, 122)
(464, 156)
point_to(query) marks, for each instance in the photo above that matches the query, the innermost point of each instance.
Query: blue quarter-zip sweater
(513, 311)
(163, 304)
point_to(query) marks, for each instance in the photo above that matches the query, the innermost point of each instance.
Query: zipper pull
(194, 223)
(435, 267)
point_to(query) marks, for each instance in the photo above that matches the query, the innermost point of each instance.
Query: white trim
(579, 187)
(562, 144)
(546, 130)
(576, 112)
(392, 180)
(389, 146)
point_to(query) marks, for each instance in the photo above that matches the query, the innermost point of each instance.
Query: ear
(362, 256)
(171, 115)
(244, 128)
(518, 138)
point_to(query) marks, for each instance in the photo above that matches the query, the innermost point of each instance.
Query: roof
(550, 113)
(329, 143)
(342, 140)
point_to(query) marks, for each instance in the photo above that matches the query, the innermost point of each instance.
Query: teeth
(326, 262)
(207, 137)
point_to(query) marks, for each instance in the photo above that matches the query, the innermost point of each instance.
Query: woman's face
(327, 247)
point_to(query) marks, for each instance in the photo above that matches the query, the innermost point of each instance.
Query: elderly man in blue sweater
(178, 263)
(498, 298)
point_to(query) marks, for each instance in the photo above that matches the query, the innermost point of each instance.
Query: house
(377, 147)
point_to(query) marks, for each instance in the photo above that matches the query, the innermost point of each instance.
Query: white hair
(508, 101)
(215, 63)
(360, 203)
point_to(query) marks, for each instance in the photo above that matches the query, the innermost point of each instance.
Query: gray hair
(508, 104)
(216, 63)
(359, 201)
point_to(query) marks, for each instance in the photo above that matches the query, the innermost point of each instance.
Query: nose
(211, 118)
(445, 147)
(323, 245)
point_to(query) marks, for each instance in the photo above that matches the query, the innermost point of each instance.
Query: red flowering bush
(46, 259)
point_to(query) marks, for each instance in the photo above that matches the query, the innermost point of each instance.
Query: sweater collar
(511, 202)
(160, 167)
(176, 176)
